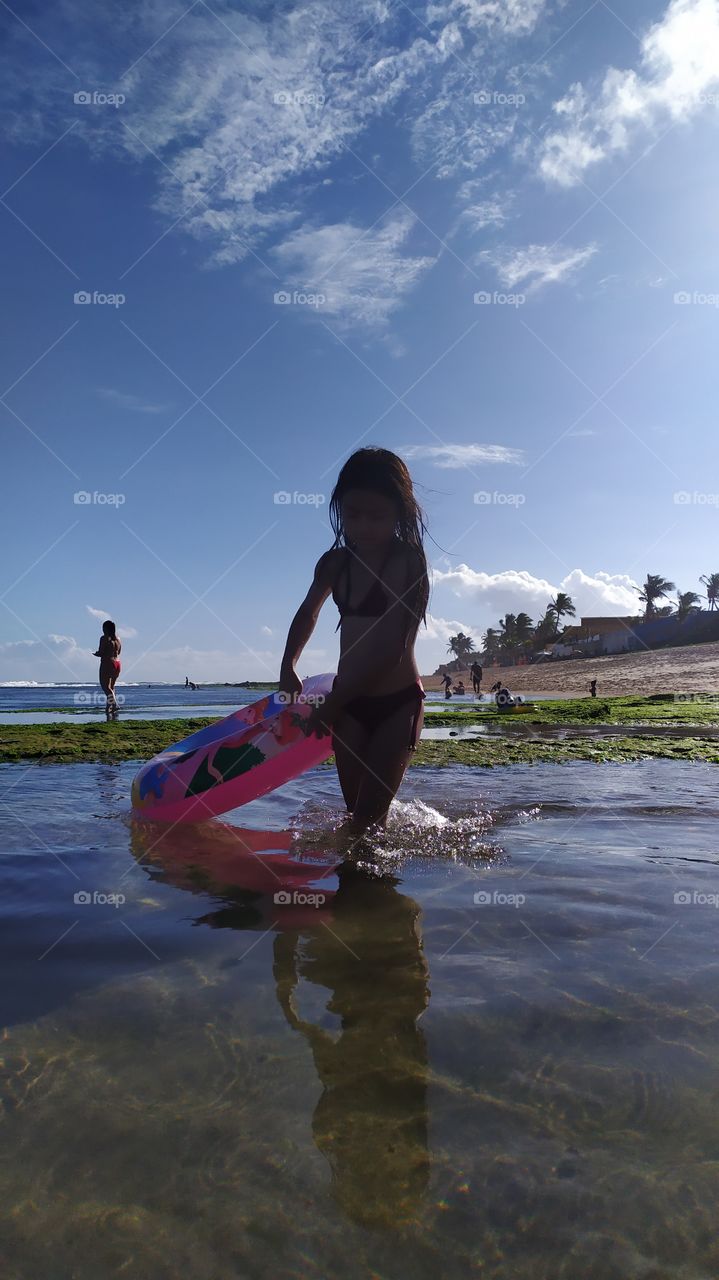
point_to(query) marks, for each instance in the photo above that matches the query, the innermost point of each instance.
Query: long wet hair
(108, 629)
(381, 471)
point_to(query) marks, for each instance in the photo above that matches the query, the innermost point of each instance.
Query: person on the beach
(377, 574)
(459, 688)
(593, 688)
(108, 651)
(447, 682)
(476, 673)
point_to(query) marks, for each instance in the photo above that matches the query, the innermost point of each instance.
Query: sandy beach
(689, 669)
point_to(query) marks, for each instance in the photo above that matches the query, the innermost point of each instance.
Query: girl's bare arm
(305, 620)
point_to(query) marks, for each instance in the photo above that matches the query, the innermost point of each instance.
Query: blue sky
(495, 224)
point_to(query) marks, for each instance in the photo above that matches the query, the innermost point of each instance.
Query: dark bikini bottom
(371, 710)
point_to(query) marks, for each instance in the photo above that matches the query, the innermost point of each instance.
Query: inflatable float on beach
(237, 759)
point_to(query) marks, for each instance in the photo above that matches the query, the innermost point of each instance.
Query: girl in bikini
(377, 574)
(108, 651)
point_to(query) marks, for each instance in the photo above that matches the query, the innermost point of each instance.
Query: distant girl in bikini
(377, 574)
(108, 651)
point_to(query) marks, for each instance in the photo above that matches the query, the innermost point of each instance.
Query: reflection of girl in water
(371, 1121)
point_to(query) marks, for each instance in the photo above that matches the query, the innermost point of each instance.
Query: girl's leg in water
(385, 758)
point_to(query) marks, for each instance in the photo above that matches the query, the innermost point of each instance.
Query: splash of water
(414, 831)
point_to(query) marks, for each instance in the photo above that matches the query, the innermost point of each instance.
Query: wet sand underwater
(498, 1056)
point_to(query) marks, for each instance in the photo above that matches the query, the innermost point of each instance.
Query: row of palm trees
(657, 588)
(516, 634)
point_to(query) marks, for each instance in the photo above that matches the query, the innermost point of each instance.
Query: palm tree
(508, 632)
(687, 602)
(491, 646)
(654, 589)
(711, 582)
(524, 630)
(461, 646)
(544, 631)
(561, 605)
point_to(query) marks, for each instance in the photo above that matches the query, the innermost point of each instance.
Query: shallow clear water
(496, 1054)
(51, 704)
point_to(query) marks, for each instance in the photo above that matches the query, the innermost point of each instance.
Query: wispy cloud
(125, 633)
(679, 66)
(454, 456)
(124, 400)
(362, 276)
(537, 264)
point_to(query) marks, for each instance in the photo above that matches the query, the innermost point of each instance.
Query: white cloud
(537, 265)
(481, 214)
(454, 456)
(679, 66)
(266, 631)
(363, 276)
(491, 595)
(513, 17)
(124, 400)
(125, 633)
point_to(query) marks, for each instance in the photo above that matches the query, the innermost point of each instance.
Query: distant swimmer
(447, 682)
(459, 688)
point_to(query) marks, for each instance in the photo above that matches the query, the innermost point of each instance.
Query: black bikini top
(375, 601)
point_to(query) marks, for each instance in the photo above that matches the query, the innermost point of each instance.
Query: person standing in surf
(108, 651)
(376, 572)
